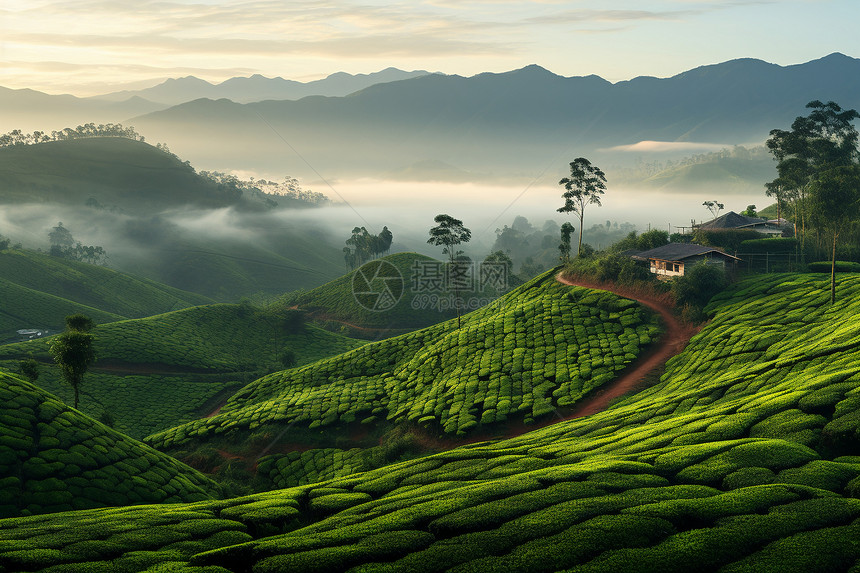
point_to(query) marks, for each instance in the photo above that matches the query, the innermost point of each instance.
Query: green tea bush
(449, 378)
(57, 459)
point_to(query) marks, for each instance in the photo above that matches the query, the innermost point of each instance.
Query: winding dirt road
(673, 341)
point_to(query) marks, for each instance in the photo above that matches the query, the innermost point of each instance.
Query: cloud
(663, 146)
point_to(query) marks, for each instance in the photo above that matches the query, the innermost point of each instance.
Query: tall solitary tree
(714, 207)
(584, 186)
(73, 351)
(448, 233)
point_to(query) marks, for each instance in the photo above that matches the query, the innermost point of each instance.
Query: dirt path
(674, 339)
(672, 342)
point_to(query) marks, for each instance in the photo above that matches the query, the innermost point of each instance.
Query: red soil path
(676, 336)
(672, 342)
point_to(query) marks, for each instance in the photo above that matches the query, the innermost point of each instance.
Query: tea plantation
(542, 346)
(187, 359)
(53, 458)
(743, 458)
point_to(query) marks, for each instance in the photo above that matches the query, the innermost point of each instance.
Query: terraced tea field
(186, 359)
(53, 458)
(743, 458)
(541, 347)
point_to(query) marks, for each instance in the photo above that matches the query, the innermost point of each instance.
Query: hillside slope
(337, 301)
(542, 346)
(190, 359)
(156, 217)
(40, 291)
(117, 172)
(53, 458)
(736, 461)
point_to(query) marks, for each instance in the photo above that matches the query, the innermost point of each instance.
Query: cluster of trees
(288, 193)
(63, 245)
(18, 137)
(362, 246)
(818, 166)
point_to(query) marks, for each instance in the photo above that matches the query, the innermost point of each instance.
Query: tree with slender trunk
(714, 207)
(448, 233)
(584, 186)
(834, 199)
(73, 351)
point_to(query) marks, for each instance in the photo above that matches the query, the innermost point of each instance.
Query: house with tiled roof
(671, 260)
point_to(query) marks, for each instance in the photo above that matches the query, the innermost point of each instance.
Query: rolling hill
(117, 172)
(156, 217)
(190, 359)
(39, 291)
(54, 459)
(336, 304)
(741, 459)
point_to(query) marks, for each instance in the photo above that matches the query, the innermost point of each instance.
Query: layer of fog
(406, 208)
(148, 244)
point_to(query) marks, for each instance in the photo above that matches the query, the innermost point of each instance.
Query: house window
(676, 267)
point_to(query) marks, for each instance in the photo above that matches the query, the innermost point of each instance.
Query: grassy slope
(541, 346)
(40, 290)
(335, 300)
(228, 269)
(117, 171)
(53, 458)
(184, 358)
(731, 463)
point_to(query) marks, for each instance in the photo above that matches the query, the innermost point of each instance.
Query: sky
(89, 47)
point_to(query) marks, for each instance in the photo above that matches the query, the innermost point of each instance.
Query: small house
(670, 260)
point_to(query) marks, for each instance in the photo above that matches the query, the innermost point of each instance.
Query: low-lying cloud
(667, 146)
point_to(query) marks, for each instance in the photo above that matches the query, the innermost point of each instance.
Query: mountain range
(504, 126)
(29, 110)
(259, 88)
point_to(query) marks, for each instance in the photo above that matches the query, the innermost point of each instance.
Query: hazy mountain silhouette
(514, 122)
(29, 110)
(260, 88)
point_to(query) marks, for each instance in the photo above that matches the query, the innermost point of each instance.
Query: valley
(265, 361)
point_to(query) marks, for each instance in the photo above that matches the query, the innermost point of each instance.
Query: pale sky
(87, 47)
